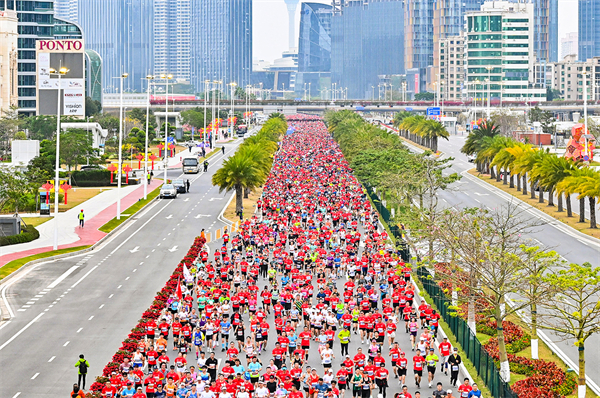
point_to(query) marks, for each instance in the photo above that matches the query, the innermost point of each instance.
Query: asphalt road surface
(87, 304)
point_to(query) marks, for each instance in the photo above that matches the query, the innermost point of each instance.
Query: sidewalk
(98, 211)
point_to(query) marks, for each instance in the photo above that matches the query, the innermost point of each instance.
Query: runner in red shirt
(418, 362)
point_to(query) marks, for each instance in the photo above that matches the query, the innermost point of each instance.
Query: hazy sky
(270, 28)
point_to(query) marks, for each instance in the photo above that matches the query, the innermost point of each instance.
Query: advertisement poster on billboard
(73, 102)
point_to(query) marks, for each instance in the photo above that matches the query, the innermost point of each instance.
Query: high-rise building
(221, 34)
(589, 34)
(418, 34)
(545, 41)
(172, 45)
(314, 49)
(568, 45)
(366, 41)
(66, 9)
(452, 67)
(8, 60)
(36, 21)
(122, 32)
(568, 78)
(292, 6)
(500, 52)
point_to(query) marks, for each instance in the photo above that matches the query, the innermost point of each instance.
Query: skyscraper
(545, 40)
(36, 21)
(172, 46)
(66, 9)
(366, 41)
(589, 34)
(418, 34)
(222, 41)
(314, 49)
(122, 32)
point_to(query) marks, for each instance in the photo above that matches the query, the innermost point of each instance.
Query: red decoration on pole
(65, 188)
(112, 168)
(171, 148)
(139, 157)
(153, 157)
(127, 169)
(47, 186)
(161, 146)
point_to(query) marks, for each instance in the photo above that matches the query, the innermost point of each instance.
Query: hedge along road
(87, 303)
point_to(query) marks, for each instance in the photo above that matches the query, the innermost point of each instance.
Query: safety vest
(81, 216)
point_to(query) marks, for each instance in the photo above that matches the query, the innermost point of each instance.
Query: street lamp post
(120, 171)
(489, 68)
(59, 73)
(585, 95)
(149, 78)
(438, 89)
(167, 78)
(206, 83)
(231, 129)
(309, 91)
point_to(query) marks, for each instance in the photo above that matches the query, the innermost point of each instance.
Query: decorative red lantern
(47, 186)
(65, 188)
(161, 146)
(127, 169)
(171, 147)
(112, 168)
(139, 157)
(153, 157)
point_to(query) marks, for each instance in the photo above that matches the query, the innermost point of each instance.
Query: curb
(4, 314)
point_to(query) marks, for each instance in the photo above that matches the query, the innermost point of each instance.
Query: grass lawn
(131, 210)
(35, 221)
(248, 204)
(550, 210)
(77, 196)
(14, 265)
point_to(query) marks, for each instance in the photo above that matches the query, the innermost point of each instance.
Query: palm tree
(516, 152)
(585, 182)
(238, 172)
(553, 170)
(523, 164)
(399, 117)
(435, 130)
(537, 172)
(473, 143)
(493, 146)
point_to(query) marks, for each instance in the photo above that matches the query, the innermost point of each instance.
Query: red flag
(179, 294)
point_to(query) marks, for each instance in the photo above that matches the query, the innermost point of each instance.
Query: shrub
(89, 178)
(27, 234)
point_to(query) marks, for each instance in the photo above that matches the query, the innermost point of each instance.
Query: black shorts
(188, 339)
(380, 338)
(418, 372)
(326, 365)
(431, 369)
(402, 372)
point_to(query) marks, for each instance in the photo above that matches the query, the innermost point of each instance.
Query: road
(472, 192)
(89, 303)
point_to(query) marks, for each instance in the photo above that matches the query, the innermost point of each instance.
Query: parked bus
(191, 165)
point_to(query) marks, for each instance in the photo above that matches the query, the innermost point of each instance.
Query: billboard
(55, 54)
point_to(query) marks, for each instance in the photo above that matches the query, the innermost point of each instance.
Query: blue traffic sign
(408, 109)
(434, 111)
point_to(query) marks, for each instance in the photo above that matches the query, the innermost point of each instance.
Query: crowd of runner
(305, 276)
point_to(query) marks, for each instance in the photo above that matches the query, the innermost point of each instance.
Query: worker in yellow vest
(81, 217)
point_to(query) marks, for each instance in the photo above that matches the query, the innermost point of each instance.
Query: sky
(270, 27)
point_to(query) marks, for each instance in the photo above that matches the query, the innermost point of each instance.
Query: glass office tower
(589, 34)
(172, 46)
(122, 32)
(366, 41)
(314, 50)
(221, 34)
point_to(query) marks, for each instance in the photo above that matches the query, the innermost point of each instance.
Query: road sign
(434, 111)
(408, 109)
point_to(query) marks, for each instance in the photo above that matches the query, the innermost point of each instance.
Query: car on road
(471, 158)
(168, 191)
(179, 185)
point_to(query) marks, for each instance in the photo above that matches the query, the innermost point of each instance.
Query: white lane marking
(135, 269)
(173, 249)
(157, 245)
(21, 310)
(79, 330)
(85, 276)
(30, 302)
(173, 229)
(476, 200)
(16, 395)
(34, 376)
(38, 296)
(111, 296)
(146, 257)
(51, 359)
(90, 318)
(127, 278)
(135, 249)
(66, 344)
(118, 287)
(34, 299)
(141, 263)
(26, 306)
(6, 323)
(102, 306)
(20, 331)
(140, 228)
(42, 292)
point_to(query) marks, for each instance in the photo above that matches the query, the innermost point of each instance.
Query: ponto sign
(60, 46)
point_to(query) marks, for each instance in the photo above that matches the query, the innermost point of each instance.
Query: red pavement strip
(90, 233)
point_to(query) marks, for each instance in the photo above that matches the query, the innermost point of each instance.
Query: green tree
(575, 311)
(15, 189)
(92, 107)
(424, 96)
(239, 172)
(75, 148)
(277, 115)
(585, 182)
(9, 125)
(108, 122)
(42, 127)
(546, 119)
(475, 140)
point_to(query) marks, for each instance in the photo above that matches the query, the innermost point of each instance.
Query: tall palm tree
(473, 143)
(523, 164)
(553, 170)
(399, 117)
(238, 172)
(590, 188)
(582, 181)
(517, 151)
(494, 145)
(537, 172)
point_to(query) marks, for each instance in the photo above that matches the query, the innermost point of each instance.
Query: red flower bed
(159, 303)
